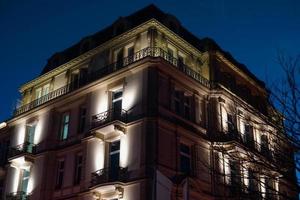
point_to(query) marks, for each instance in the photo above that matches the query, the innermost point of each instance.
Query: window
(130, 54)
(269, 188)
(185, 159)
(235, 176)
(177, 102)
(264, 145)
(114, 159)
(46, 89)
(230, 123)
(78, 168)
(60, 174)
(82, 119)
(119, 58)
(187, 107)
(29, 139)
(249, 135)
(182, 104)
(180, 61)
(170, 55)
(25, 180)
(117, 97)
(38, 93)
(64, 130)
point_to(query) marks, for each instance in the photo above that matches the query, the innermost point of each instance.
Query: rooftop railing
(106, 70)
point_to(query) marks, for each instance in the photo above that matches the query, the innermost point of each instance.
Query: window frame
(64, 136)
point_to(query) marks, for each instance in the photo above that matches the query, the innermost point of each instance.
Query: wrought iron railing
(247, 141)
(109, 116)
(21, 149)
(103, 71)
(106, 175)
(20, 195)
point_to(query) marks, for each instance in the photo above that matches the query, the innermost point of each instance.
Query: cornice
(238, 70)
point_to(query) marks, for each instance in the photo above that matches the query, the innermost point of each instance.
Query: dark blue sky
(32, 30)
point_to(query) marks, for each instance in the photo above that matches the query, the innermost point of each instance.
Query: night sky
(31, 31)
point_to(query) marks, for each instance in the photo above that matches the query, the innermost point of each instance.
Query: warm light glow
(246, 176)
(38, 131)
(98, 154)
(263, 186)
(101, 101)
(258, 139)
(16, 178)
(30, 184)
(227, 169)
(3, 125)
(124, 147)
(224, 118)
(129, 96)
(21, 131)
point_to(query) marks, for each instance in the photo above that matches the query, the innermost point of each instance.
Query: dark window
(185, 159)
(82, 119)
(249, 137)
(60, 174)
(130, 52)
(180, 61)
(177, 102)
(78, 168)
(265, 145)
(187, 107)
(170, 55)
(117, 97)
(64, 129)
(114, 159)
(235, 176)
(269, 188)
(230, 123)
(120, 57)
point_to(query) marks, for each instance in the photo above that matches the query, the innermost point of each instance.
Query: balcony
(108, 116)
(246, 141)
(18, 196)
(109, 175)
(154, 52)
(25, 148)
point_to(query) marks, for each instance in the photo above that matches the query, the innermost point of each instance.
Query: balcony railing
(105, 70)
(22, 149)
(109, 175)
(18, 196)
(247, 141)
(109, 116)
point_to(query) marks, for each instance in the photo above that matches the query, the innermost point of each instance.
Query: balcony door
(114, 160)
(120, 56)
(249, 135)
(29, 139)
(24, 182)
(117, 97)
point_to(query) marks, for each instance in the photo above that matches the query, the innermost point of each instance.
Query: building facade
(145, 110)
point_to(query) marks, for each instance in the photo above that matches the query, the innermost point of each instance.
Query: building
(145, 110)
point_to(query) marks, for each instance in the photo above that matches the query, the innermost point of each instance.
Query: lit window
(64, 126)
(60, 174)
(78, 168)
(185, 159)
(46, 89)
(38, 93)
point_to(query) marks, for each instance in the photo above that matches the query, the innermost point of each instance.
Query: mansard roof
(124, 24)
